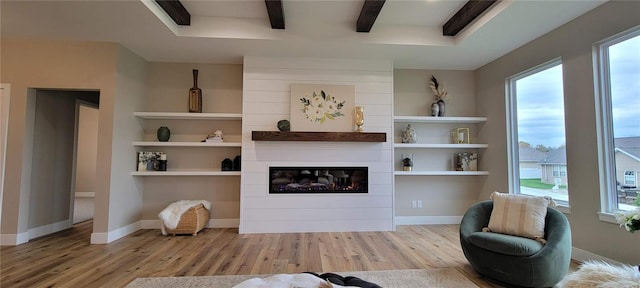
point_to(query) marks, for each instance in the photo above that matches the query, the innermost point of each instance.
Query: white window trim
(604, 125)
(512, 130)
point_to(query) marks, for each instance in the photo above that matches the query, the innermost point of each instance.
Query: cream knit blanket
(170, 216)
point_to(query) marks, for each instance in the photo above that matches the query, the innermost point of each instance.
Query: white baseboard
(213, 223)
(49, 229)
(105, 238)
(427, 220)
(85, 194)
(14, 239)
(583, 255)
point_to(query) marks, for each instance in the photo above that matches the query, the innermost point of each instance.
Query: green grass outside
(537, 183)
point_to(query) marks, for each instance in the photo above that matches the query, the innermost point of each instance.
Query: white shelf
(440, 173)
(431, 119)
(188, 116)
(185, 144)
(455, 146)
(185, 173)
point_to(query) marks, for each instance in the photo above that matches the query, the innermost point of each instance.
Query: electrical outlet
(414, 204)
(419, 203)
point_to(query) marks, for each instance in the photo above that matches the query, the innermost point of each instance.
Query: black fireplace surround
(303, 180)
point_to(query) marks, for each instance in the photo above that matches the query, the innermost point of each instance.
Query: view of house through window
(538, 157)
(620, 93)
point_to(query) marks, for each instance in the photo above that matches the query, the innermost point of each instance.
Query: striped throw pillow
(519, 215)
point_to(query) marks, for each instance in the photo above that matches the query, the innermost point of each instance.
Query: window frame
(604, 122)
(513, 156)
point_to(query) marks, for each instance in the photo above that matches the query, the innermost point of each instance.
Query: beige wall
(28, 63)
(169, 84)
(87, 149)
(168, 87)
(413, 97)
(573, 42)
(125, 197)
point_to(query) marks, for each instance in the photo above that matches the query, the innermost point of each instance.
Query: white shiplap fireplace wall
(266, 97)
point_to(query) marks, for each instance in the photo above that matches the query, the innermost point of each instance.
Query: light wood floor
(66, 259)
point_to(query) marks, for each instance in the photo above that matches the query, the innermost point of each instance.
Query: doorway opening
(60, 162)
(85, 163)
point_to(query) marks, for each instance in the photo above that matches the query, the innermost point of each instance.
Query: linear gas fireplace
(292, 180)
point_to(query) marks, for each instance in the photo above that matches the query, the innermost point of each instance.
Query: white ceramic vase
(409, 135)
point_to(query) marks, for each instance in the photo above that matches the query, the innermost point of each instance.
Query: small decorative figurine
(217, 134)
(216, 137)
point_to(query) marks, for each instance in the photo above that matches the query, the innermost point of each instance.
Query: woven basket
(191, 222)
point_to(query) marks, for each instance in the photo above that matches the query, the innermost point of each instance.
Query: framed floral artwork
(322, 107)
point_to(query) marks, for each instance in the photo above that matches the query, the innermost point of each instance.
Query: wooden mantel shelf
(319, 136)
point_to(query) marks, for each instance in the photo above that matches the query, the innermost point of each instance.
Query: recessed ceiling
(407, 32)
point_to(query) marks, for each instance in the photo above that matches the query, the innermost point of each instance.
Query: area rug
(413, 278)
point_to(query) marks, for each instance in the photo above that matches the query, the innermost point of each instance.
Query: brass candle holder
(359, 115)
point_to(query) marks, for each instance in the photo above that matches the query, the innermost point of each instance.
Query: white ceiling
(407, 32)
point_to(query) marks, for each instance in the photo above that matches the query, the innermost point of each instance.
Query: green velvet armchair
(516, 260)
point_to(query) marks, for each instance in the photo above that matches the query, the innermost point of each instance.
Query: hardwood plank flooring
(66, 259)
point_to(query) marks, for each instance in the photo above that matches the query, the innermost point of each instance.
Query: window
(536, 134)
(559, 171)
(618, 99)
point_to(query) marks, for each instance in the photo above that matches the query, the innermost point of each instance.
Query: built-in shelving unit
(176, 147)
(437, 125)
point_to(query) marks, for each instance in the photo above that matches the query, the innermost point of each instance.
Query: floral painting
(322, 107)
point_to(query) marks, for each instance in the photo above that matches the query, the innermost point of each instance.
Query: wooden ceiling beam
(368, 15)
(276, 13)
(469, 12)
(176, 11)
